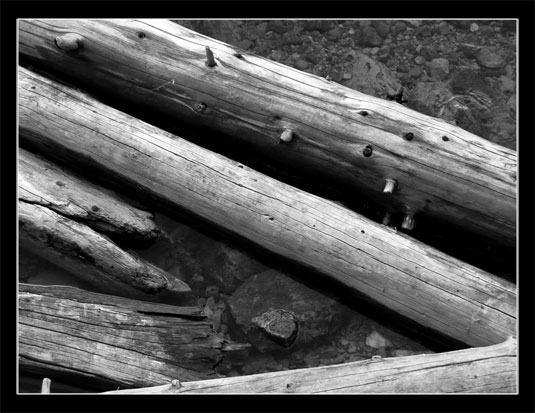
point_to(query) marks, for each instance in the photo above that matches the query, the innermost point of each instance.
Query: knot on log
(210, 61)
(69, 42)
(390, 186)
(286, 136)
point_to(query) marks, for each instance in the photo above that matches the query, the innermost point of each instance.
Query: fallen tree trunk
(491, 369)
(65, 332)
(350, 139)
(406, 276)
(43, 183)
(92, 256)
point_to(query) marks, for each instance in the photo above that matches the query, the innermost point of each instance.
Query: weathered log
(491, 369)
(92, 256)
(295, 119)
(411, 278)
(43, 183)
(68, 332)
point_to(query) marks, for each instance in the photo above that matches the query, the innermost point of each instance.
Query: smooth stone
(474, 27)
(301, 64)
(419, 60)
(439, 68)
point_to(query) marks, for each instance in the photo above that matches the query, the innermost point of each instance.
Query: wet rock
(370, 37)
(507, 85)
(376, 340)
(272, 289)
(490, 58)
(381, 26)
(371, 77)
(439, 68)
(279, 325)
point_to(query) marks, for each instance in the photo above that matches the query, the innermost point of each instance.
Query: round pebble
(419, 60)
(301, 64)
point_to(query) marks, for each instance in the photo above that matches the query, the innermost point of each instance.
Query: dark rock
(461, 24)
(490, 58)
(334, 34)
(277, 26)
(321, 26)
(291, 38)
(370, 37)
(399, 27)
(508, 26)
(270, 290)
(245, 44)
(301, 64)
(439, 68)
(381, 26)
(428, 53)
(468, 50)
(416, 71)
(467, 79)
(279, 325)
(371, 77)
(443, 28)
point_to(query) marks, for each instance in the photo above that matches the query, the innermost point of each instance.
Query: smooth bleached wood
(491, 369)
(65, 332)
(92, 257)
(407, 276)
(353, 140)
(44, 183)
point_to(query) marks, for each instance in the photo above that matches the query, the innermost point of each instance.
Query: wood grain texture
(156, 65)
(408, 277)
(67, 332)
(44, 183)
(92, 256)
(491, 369)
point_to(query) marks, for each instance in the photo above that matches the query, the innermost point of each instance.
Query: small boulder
(370, 37)
(279, 325)
(490, 58)
(439, 68)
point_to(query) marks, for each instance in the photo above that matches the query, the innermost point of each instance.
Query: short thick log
(92, 256)
(408, 277)
(44, 183)
(67, 332)
(491, 369)
(353, 140)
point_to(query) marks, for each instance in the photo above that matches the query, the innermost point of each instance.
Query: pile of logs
(72, 143)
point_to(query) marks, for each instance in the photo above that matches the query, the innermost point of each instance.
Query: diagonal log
(408, 277)
(348, 139)
(491, 369)
(41, 182)
(92, 256)
(67, 333)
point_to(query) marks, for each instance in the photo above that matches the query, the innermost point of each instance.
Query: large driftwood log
(491, 369)
(441, 171)
(92, 256)
(43, 183)
(408, 277)
(68, 332)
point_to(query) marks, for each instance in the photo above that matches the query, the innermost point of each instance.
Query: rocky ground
(462, 71)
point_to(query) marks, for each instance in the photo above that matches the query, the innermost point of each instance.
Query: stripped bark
(353, 140)
(408, 277)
